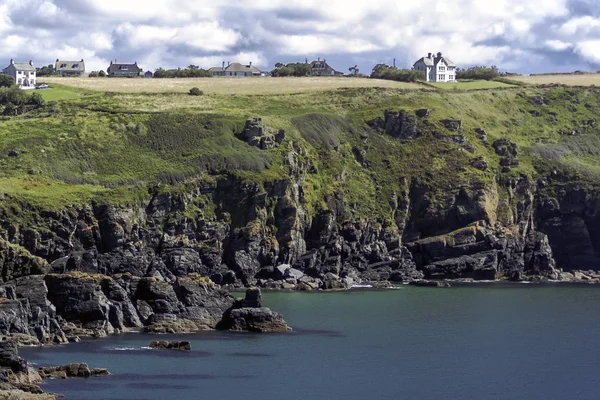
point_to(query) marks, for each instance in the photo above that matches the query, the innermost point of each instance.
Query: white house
(22, 73)
(235, 69)
(436, 68)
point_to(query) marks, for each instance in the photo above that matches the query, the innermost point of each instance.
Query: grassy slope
(115, 146)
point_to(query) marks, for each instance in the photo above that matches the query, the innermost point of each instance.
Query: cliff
(301, 191)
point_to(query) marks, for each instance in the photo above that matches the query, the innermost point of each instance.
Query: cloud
(521, 36)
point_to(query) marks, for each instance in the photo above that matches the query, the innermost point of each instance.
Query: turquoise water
(474, 342)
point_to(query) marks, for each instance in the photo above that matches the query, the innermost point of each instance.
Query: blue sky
(518, 36)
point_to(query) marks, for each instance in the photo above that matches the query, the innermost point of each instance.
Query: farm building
(123, 70)
(24, 74)
(148, 74)
(235, 69)
(436, 68)
(69, 68)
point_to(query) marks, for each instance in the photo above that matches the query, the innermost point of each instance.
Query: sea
(496, 341)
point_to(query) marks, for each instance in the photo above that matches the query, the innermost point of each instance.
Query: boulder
(249, 315)
(75, 370)
(171, 345)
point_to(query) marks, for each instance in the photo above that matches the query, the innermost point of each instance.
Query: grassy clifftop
(88, 145)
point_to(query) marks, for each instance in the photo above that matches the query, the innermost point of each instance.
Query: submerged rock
(171, 345)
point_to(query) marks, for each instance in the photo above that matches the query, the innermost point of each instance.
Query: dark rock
(480, 163)
(13, 153)
(424, 283)
(423, 113)
(453, 125)
(504, 147)
(171, 345)
(261, 136)
(9, 357)
(75, 370)
(248, 315)
(398, 124)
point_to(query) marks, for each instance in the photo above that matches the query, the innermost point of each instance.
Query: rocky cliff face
(241, 234)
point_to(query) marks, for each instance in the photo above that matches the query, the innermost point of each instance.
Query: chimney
(428, 55)
(82, 60)
(110, 62)
(12, 61)
(324, 61)
(31, 62)
(57, 60)
(250, 63)
(318, 58)
(439, 54)
(223, 66)
(228, 64)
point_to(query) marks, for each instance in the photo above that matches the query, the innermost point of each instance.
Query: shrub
(382, 71)
(478, 72)
(101, 74)
(6, 80)
(37, 100)
(196, 92)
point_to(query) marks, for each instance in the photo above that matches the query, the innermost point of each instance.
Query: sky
(525, 36)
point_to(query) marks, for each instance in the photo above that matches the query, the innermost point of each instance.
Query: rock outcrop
(171, 345)
(248, 314)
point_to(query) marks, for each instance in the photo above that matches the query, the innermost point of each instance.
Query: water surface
(473, 342)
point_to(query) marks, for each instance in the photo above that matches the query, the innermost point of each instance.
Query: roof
(447, 61)
(426, 60)
(62, 65)
(431, 61)
(23, 66)
(128, 67)
(323, 62)
(216, 69)
(237, 67)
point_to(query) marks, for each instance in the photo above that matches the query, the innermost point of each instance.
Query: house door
(25, 82)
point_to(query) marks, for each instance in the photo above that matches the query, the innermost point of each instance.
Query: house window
(123, 68)
(451, 77)
(63, 65)
(20, 81)
(441, 77)
(450, 68)
(442, 68)
(31, 73)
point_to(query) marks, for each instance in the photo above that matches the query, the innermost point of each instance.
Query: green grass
(61, 93)
(470, 85)
(93, 146)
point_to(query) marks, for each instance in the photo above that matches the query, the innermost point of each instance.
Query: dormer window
(123, 68)
(75, 65)
(63, 65)
(442, 68)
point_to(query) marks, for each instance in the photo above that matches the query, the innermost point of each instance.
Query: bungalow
(235, 69)
(436, 68)
(321, 68)
(69, 68)
(23, 73)
(123, 70)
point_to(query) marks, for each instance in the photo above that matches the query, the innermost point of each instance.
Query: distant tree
(46, 70)
(6, 80)
(382, 71)
(192, 71)
(101, 74)
(291, 69)
(478, 72)
(93, 74)
(354, 70)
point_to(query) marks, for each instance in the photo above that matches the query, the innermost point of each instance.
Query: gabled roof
(125, 67)
(237, 67)
(70, 65)
(446, 60)
(23, 66)
(426, 60)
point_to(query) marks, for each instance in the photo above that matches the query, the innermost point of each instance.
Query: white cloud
(589, 50)
(170, 33)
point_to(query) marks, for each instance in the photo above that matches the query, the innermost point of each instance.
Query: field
(470, 85)
(563, 79)
(263, 85)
